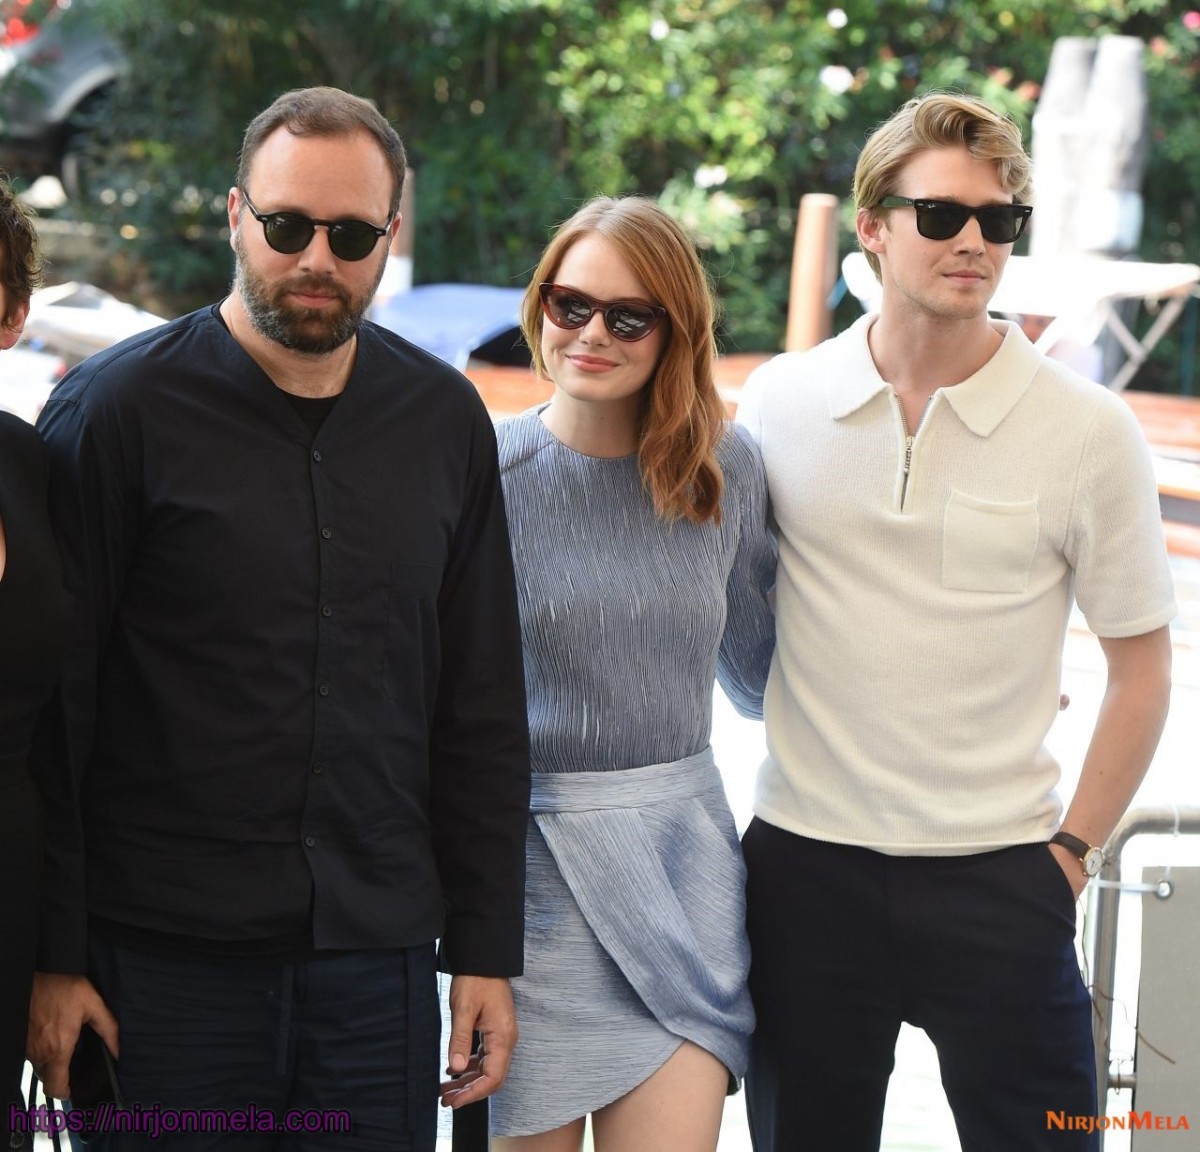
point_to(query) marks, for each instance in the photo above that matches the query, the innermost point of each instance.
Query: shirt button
(309, 842)
(326, 533)
(326, 610)
(318, 768)
(324, 690)
(317, 455)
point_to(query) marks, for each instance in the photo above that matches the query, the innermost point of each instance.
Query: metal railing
(1139, 822)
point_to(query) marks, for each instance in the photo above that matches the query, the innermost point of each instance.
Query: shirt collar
(981, 401)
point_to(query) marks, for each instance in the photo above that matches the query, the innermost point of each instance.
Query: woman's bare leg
(678, 1109)
(568, 1138)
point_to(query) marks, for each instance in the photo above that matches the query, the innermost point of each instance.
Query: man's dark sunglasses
(289, 232)
(569, 308)
(941, 219)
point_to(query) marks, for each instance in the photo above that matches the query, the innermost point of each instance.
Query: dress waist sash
(652, 858)
(625, 788)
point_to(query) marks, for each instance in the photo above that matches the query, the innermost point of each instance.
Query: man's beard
(310, 331)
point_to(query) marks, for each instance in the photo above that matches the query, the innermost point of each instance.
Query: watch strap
(1091, 858)
(1073, 844)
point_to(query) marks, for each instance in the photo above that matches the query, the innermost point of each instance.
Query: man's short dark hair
(325, 111)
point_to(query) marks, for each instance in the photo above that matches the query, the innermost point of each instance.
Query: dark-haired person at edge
(644, 563)
(943, 492)
(296, 748)
(34, 611)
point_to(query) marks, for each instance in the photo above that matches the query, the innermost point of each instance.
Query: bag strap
(26, 1138)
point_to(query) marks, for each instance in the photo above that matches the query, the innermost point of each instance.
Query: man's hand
(480, 1004)
(1137, 694)
(1072, 869)
(58, 1009)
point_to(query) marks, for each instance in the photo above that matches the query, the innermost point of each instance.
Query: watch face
(1093, 861)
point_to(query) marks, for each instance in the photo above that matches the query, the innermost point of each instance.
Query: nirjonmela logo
(1153, 1121)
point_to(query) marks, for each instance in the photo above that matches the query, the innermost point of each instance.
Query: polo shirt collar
(981, 401)
(857, 380)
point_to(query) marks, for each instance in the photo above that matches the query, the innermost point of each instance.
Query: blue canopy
(454, 321)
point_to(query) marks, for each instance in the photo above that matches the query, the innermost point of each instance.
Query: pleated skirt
(635, 939)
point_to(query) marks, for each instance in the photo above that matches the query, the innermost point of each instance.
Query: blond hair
(940, 120)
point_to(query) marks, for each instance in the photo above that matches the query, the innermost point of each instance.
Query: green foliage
(1173, 169)
(515, 111)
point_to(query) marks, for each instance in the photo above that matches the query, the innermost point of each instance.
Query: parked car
(27, 374)
(66, 324)
(57, 69)
(458, 322)
(76, 320)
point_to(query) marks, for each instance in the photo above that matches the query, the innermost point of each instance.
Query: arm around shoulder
(748, 642)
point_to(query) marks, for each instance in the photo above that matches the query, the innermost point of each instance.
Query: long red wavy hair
(682, 416)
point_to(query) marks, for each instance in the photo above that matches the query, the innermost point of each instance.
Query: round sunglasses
(625, 320)
(290, 232)
(941, 219)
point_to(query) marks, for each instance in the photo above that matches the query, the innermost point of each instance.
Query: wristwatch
(1091, 858)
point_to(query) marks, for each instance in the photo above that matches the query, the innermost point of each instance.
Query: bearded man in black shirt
(290, 748)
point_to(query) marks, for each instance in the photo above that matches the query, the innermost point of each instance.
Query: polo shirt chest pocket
(988, 545)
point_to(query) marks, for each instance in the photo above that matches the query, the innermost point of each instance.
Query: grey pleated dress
(635, 938)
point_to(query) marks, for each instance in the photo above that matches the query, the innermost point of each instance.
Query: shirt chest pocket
(988, 546)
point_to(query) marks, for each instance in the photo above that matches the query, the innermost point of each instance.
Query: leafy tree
(515, 111)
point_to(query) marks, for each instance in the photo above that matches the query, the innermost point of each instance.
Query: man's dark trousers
(309, 1042)
(977, 950)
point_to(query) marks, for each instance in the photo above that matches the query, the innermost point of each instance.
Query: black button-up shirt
(295, 692)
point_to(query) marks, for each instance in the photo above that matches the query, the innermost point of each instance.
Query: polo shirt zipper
(909, 437)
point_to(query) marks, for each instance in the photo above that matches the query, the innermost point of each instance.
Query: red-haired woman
(638, 517)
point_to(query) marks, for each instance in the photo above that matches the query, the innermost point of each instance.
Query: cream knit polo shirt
(922, 613)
